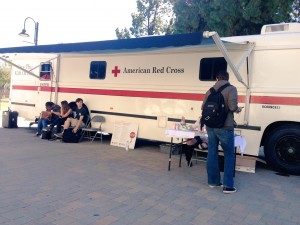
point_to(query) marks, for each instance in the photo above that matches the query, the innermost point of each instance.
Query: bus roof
(133, 44)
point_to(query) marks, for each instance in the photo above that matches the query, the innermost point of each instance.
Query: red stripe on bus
(275, 100)
(45, 88)
(168, 95)
(25, 88)
(32, 88)
(143, 94)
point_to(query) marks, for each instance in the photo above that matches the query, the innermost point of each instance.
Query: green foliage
(123, 33)
(188, 16)
(5, 71)
(296, 11)
(230, 17)
(153, 17)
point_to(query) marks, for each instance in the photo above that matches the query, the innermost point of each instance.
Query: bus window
(210, 66)
(98, 70)
(46, 71)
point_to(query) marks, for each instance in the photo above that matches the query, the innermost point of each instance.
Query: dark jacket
(56, 108)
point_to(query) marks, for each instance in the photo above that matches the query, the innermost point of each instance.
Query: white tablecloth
(184, 133)
(240, 141)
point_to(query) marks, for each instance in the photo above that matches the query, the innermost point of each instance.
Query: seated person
(65, 112)
(80, 119)
(196, 142)
(47, 117)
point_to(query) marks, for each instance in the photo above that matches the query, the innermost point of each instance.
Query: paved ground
(48, 182)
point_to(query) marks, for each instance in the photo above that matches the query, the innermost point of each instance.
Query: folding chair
(195, 156)
(94, 128)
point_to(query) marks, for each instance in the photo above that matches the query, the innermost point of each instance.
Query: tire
(282, 149)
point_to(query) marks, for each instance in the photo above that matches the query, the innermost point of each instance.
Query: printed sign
(124, 134)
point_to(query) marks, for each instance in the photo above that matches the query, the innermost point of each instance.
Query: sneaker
(214, 185)
(37, 134)
(59, 135)
(47, 128)
(227, 190)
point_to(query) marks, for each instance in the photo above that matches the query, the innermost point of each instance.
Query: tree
(5, 71)
(188, 16)
(153, 17)
(231, 17)
(123, 33)
(295, 14)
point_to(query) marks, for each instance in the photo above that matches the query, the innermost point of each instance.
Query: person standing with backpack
(219, 104)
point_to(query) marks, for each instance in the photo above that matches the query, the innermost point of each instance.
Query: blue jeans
(43, 123)
(226, 138)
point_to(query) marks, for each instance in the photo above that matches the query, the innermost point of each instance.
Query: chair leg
(196, 158)
(92, 139)
(192, 158)
(96, 136)
(190, 162)
(82, 135)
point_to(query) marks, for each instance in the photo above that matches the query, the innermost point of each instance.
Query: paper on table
(180, 133)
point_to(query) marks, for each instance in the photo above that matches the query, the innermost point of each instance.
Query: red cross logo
(116, 71)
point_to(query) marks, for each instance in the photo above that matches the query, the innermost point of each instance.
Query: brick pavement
(47, 183)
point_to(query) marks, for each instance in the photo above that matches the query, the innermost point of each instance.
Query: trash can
(10, 119)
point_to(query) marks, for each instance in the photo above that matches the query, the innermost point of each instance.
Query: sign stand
(124, 134)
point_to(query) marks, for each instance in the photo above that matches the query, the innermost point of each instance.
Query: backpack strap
(223, 87)
(213, 91)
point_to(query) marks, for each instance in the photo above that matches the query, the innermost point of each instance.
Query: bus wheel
(282, 149)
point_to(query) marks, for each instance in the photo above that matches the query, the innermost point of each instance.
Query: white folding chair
(94, 128)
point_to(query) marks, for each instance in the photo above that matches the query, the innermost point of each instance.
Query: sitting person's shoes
(47, 129)
(58, 135)
(227, 190)
(50, 128)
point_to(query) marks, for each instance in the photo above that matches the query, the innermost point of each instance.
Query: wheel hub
(288, 149)
(291, 150)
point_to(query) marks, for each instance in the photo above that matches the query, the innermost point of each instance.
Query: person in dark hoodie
(47, 117)
(63, 115)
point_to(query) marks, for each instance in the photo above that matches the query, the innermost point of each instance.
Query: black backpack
(46, 134)
(214, 112)
(70, 137)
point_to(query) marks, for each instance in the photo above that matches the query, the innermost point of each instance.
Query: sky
(62, 21)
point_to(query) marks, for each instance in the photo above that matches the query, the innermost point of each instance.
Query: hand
(182, 120)
(239, 109)
(74, 130)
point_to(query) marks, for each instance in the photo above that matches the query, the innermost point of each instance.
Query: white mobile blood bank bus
(154, 81)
